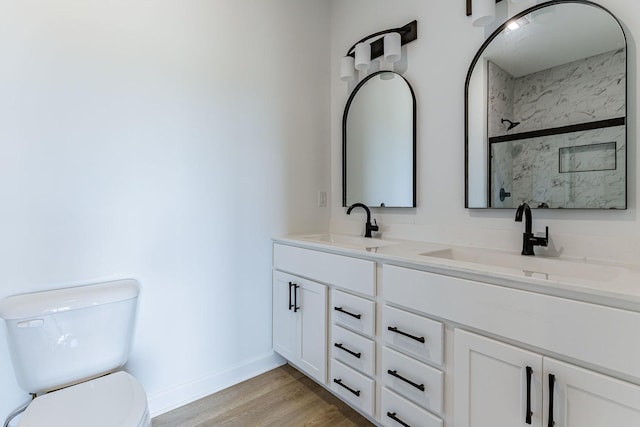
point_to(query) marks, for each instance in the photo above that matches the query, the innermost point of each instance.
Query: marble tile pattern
(582, 91)
(530, 170)
(586, 90)
(502, 175)
(590, 89)
(500, 98)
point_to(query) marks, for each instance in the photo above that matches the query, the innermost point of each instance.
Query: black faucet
(368, 227)
(528, 239)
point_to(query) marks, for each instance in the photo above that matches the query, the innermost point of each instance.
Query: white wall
(438, 64)
(166, 141)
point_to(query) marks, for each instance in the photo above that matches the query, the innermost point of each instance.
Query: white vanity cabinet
(428, 346)
(490, 375)
(300, 323)
(501, 385)
(349, 341)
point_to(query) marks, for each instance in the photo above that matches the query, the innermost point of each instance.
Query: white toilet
(66, 346)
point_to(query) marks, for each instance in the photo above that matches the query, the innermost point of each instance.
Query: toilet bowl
(68, 347)
(114, 400)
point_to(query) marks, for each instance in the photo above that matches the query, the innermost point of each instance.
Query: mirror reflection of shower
(510, 124)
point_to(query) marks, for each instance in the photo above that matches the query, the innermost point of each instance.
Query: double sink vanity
(421, 334)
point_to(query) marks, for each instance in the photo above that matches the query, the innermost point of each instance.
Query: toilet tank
(64, 336)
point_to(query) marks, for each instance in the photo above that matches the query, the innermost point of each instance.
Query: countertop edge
(464, 270)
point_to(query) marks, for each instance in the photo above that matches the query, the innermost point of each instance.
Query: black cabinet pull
(552, 381)
(339, 382)
(295, 298)
(408, 381)
(357, 316)
(393, 416)
(290, 286)
(398, 331)
(353, 353)
(529, 413)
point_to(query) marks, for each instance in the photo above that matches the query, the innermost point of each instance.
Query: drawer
(412, 379)
(413, 334)
(395, 411)
(353, 387)
(355, 274)
(353, 312)
(353, 350)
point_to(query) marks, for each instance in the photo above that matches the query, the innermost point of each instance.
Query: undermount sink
(366, 243)
(530, 266)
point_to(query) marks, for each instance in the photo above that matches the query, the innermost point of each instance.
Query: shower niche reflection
(546, 111)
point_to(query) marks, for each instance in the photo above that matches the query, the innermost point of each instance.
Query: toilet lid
(112, 400)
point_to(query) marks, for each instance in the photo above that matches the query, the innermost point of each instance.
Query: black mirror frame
(477, 57)
(344, 138)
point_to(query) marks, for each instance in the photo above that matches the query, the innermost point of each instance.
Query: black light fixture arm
(408, 33)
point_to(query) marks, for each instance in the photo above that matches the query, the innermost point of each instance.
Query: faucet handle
(374, 227)
(541, 241)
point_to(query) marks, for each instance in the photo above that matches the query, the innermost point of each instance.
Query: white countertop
(615, 285)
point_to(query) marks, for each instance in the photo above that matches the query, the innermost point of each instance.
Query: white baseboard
(174, 397)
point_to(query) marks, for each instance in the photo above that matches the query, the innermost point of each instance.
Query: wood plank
(281, 397)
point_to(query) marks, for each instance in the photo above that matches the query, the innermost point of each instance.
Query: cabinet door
(284, 318)
(583, 398)
(490, 383)
(312, 300)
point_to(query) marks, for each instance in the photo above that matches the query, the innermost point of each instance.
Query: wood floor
(281, 397)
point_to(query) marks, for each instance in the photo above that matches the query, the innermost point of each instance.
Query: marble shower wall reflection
(530, 170)
(582, 91)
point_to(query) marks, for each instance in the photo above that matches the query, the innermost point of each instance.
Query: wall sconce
(363, 56)
(347, 68)
(392, 47)
(359, 56)
(482, 12)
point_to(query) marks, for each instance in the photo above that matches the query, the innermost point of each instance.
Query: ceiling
(556, 35)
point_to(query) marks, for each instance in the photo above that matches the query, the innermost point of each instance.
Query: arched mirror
(379, 142)
(545, 119)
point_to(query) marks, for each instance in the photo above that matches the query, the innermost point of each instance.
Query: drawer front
(396, 411)
(353, 387)
(353, 350)
(412, 379)
(353, 312)
(413, 334)
(355, 274)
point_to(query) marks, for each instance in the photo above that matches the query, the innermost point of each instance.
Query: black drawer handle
(529, 413)
(290, 286)
(353, 353)
(295, 298)
(393, 416)
(398, 331)
(408, 381)
(339, 382)
(552, 381)
(357, 316)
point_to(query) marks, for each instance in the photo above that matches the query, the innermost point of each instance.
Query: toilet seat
(114, 400)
